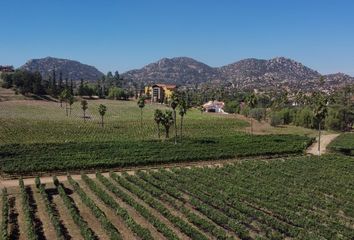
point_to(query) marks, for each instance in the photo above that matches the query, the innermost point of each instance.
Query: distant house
(214, 106)
(160, 92)
(7, 69)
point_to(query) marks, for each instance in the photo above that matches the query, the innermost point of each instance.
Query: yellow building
(160, 92)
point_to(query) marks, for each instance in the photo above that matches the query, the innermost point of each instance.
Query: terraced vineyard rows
(291, 198)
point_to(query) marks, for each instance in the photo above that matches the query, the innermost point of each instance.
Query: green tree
(320, 112)
(174, 104)
(167, 121)
(141, 105)
(65, 96)
(158, 115)
(84, 107)
(182, 111)
(62, 98)
(251, 102)
(102, 111)
(71, 101)
(117, 93)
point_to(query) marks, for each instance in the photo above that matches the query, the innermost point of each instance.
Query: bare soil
(325, 140)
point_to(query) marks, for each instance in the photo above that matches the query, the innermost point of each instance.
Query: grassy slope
(42, 122)
(344, 144)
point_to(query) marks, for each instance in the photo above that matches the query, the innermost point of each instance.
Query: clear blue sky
(122, 35)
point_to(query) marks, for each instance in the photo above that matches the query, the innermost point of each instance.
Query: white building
(214, 106)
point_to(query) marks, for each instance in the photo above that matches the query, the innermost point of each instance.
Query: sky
(123, 35)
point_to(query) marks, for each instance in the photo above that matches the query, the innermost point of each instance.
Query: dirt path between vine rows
(325, 140)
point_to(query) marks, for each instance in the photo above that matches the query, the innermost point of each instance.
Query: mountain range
(244, 74)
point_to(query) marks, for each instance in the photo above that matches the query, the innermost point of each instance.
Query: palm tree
(141, 104)
(102, 111)
(167, 120)
(251, 103)
(65, 95)
(71, 100)
(84, 107)
(174, 104)
(158, 118)
(182, 107)
(61, 97)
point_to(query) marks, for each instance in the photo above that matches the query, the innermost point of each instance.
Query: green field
(30, 158)
(343, 144)
(45, 122)
(38, 136)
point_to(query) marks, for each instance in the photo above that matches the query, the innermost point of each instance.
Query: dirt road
(325, 140)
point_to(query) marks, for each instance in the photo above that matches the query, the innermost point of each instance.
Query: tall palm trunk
(251, 126)
(167, 129)
(181, 126)
(175, 121)
(158, 130)
(319, 138)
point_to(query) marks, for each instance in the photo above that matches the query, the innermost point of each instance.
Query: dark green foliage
(117, 93)
(160, 226)
(344, 144)
(5, 215)
(232, 107)
(27, 211)
(99, 214)
(85, 230)
(304, 117)
(26, 82)
(50, 210)
(167, 120)
(86, 89)
(143, 233)
(27, 158)
(238, 197)
(159, 189)
(276, 119)
(177, 221)
(7, 80)
(258, 113)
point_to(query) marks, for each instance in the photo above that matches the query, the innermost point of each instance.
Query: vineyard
(344, 144)
(71, 156)
(37, 136)
(292, 198)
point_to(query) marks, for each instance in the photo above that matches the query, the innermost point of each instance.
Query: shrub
(276, 119)
(232, 107)
(258, 113)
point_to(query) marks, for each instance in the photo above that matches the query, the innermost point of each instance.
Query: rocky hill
(245, 74)
(70, 69)
(179, 70)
